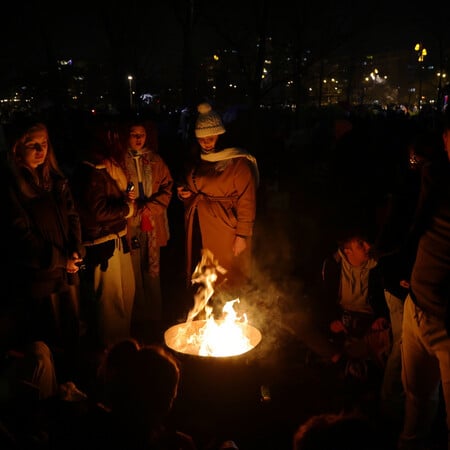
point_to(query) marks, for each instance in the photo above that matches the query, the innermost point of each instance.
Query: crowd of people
(84, 277)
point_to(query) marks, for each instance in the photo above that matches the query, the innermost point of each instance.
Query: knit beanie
(208, 122)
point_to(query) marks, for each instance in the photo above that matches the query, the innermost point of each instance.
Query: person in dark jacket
(41, 284)
(100, 191)
(396, 258)
(425, 333)
(348, 323)
(356, 308)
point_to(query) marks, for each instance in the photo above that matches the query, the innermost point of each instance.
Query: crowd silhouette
(72, 225)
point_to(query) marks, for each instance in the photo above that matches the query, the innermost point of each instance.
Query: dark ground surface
(302, 205)
(221, 398)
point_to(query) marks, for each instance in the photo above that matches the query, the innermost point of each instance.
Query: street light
(130, 79)
(421, 53)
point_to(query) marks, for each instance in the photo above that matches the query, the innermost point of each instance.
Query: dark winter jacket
(430, 279)
(43, 231)
(331, 277)
(103, 208)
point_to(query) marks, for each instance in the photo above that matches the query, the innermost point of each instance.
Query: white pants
(426, 367)
(114, 293)
(392, 393)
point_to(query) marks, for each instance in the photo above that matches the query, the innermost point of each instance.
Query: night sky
(34, 32)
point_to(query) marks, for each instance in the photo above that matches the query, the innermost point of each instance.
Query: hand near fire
(239, 245)
(183, 192)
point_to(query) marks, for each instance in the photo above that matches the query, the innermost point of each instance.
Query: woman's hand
(131, 195)
(405, 284)
(239, 245)
(183, 192)
(73, 263)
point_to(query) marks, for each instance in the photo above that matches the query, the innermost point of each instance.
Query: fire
(228, 336)
(205, 275)
(222, 337)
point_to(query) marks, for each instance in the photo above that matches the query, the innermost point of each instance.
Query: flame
(226, 336)
(205, 274)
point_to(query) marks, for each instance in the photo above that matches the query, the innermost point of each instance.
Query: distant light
(216, 57)
(65, 62)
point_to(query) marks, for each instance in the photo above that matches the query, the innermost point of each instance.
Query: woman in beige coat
(148, 229)
(219, 194)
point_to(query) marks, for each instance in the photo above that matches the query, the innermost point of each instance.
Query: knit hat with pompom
(208, 122)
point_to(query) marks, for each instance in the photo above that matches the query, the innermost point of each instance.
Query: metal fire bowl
(176, 337)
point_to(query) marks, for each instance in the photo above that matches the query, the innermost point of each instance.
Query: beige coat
(225, 201)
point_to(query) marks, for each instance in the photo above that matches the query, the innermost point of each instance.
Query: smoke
(274, 306)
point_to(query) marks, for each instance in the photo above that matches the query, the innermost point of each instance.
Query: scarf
(233, 152)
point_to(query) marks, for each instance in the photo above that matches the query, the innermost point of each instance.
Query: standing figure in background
(100, 189)
(396, 260)
(426, 324)
(219, 195)
(148, 229)
(43, 246)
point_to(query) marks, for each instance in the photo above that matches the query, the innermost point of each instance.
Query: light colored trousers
(392, 393)
(114, 292)
(426, 367)
(148, 297)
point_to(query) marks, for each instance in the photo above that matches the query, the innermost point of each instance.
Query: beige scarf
(233, 152)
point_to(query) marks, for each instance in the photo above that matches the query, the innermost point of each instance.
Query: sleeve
(163, 190)
(99, 200)
(245, 185)
(25, 241)
(74, 231)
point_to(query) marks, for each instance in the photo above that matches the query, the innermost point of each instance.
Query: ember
(228, 336)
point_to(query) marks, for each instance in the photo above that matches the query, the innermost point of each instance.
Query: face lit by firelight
(208, 143)
(357, 252)
(137, 137)
(34, 150)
